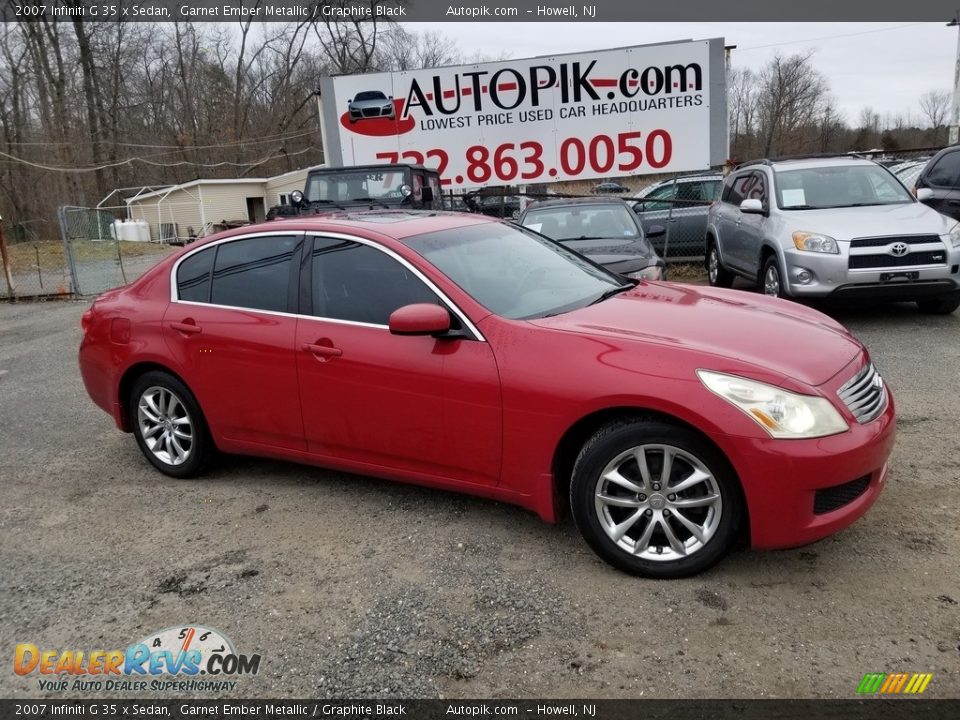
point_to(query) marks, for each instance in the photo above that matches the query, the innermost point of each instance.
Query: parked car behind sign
(603, 229)
(680, 205)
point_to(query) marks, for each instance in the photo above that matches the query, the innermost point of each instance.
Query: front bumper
(831, 277)
(780, 479)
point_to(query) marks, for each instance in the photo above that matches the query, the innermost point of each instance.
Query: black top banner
(485, 709)
(446, 11)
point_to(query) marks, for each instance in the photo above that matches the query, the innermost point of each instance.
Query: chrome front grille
(864, 394)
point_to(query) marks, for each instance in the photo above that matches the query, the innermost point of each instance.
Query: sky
(886, 66)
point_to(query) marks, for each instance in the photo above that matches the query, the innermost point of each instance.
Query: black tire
(939, 305)
(197, 450)
(772, 266)
(596, 520)
(717, 274)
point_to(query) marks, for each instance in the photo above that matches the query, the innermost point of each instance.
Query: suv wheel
(718, 275)
(654, 499)
(940, 305)
(771, 279)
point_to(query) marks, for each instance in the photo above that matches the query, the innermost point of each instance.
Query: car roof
(397, 224)
(815, 162)
(561, 202)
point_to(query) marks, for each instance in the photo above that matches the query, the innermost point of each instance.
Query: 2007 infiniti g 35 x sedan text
(462, 353)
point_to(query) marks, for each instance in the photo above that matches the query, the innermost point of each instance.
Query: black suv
(939, 184)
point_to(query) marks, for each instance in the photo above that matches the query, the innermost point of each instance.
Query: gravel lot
(350, 586)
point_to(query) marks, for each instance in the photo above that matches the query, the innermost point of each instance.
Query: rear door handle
(186, 328)
(322, 351)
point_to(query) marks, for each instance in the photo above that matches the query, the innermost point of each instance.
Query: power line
(261, 140)
(130, 161)
(830, 37)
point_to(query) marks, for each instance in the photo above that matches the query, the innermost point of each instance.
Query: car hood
(614, 251)
(873, 221)
(772, 335)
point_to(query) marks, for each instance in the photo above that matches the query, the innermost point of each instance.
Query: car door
(943, 178)
(230, 331)
(728, 218)
(737, 250)
(418, 403)
(752, 227)
(689, 232)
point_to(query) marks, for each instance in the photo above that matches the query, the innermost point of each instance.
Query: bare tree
(792, 95)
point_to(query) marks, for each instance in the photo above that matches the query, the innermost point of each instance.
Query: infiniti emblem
(899, 249)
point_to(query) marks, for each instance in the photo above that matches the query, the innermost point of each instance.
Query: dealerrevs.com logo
(188, 658)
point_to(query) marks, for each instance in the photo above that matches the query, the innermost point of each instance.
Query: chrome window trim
(175, 298)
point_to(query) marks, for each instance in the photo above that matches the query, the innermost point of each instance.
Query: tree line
(86, 108)
(786, 109)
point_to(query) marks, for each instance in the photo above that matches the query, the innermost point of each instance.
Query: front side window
(946, 173)
(664, 192)
(514, 273)
(359, 283)
(254, 273)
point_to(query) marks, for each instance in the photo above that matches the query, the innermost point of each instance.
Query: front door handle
(322, 352)
(187, 328)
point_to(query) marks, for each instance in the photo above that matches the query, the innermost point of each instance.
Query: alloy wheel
(165, 425)
(771, 281)
(713, 265)
(658, 502)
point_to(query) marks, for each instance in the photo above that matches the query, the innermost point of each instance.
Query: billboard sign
(609, 113)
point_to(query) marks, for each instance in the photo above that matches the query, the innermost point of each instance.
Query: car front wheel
(655, 499)
(168, 425)
(716, 273)
(771, 279)
(942, 305)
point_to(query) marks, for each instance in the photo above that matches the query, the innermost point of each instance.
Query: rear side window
(254, 273)
(946, 171)
(193, 276)
(356, 282)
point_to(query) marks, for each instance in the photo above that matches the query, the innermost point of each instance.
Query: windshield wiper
(801, 207)
(370, 200)
(613, 291)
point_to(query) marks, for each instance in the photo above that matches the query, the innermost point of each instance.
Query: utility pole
(6, 264)
(953, 133)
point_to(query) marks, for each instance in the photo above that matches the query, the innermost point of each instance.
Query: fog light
(804, 276)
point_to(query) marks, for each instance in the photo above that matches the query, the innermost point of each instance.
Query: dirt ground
(349, 586)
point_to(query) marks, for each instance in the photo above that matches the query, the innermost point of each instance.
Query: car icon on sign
(370, 104)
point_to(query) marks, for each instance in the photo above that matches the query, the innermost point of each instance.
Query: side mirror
(427, 194)
(349, 100)
(924, 194)
(656, 231)
(420, 319)
(751, 206)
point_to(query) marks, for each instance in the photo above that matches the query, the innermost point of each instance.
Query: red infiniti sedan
(463, 353)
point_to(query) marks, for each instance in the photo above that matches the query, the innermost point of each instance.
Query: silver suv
(837, 227)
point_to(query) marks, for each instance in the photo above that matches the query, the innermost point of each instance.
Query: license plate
(900, 276)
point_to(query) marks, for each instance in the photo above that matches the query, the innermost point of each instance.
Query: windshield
(345, 186)
(573, 222)
(370, 95)
(838, 186)
(513, 273)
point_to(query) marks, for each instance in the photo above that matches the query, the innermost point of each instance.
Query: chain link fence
(35, 261)
(104, 248)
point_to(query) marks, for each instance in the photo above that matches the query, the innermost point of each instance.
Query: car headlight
(955, 236)
(781, 413)
(815, 242)
(654, 272)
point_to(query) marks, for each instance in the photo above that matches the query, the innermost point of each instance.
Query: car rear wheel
(771, 279)
(655, 499)
(942, 305)
(716, 273)
(169, 426)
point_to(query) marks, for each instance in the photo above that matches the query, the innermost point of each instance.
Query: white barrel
(142, 230)
(115, 229)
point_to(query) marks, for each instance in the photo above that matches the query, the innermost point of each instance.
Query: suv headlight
(654, 272)
(955, 236)
(781, 413)
(815, 242)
